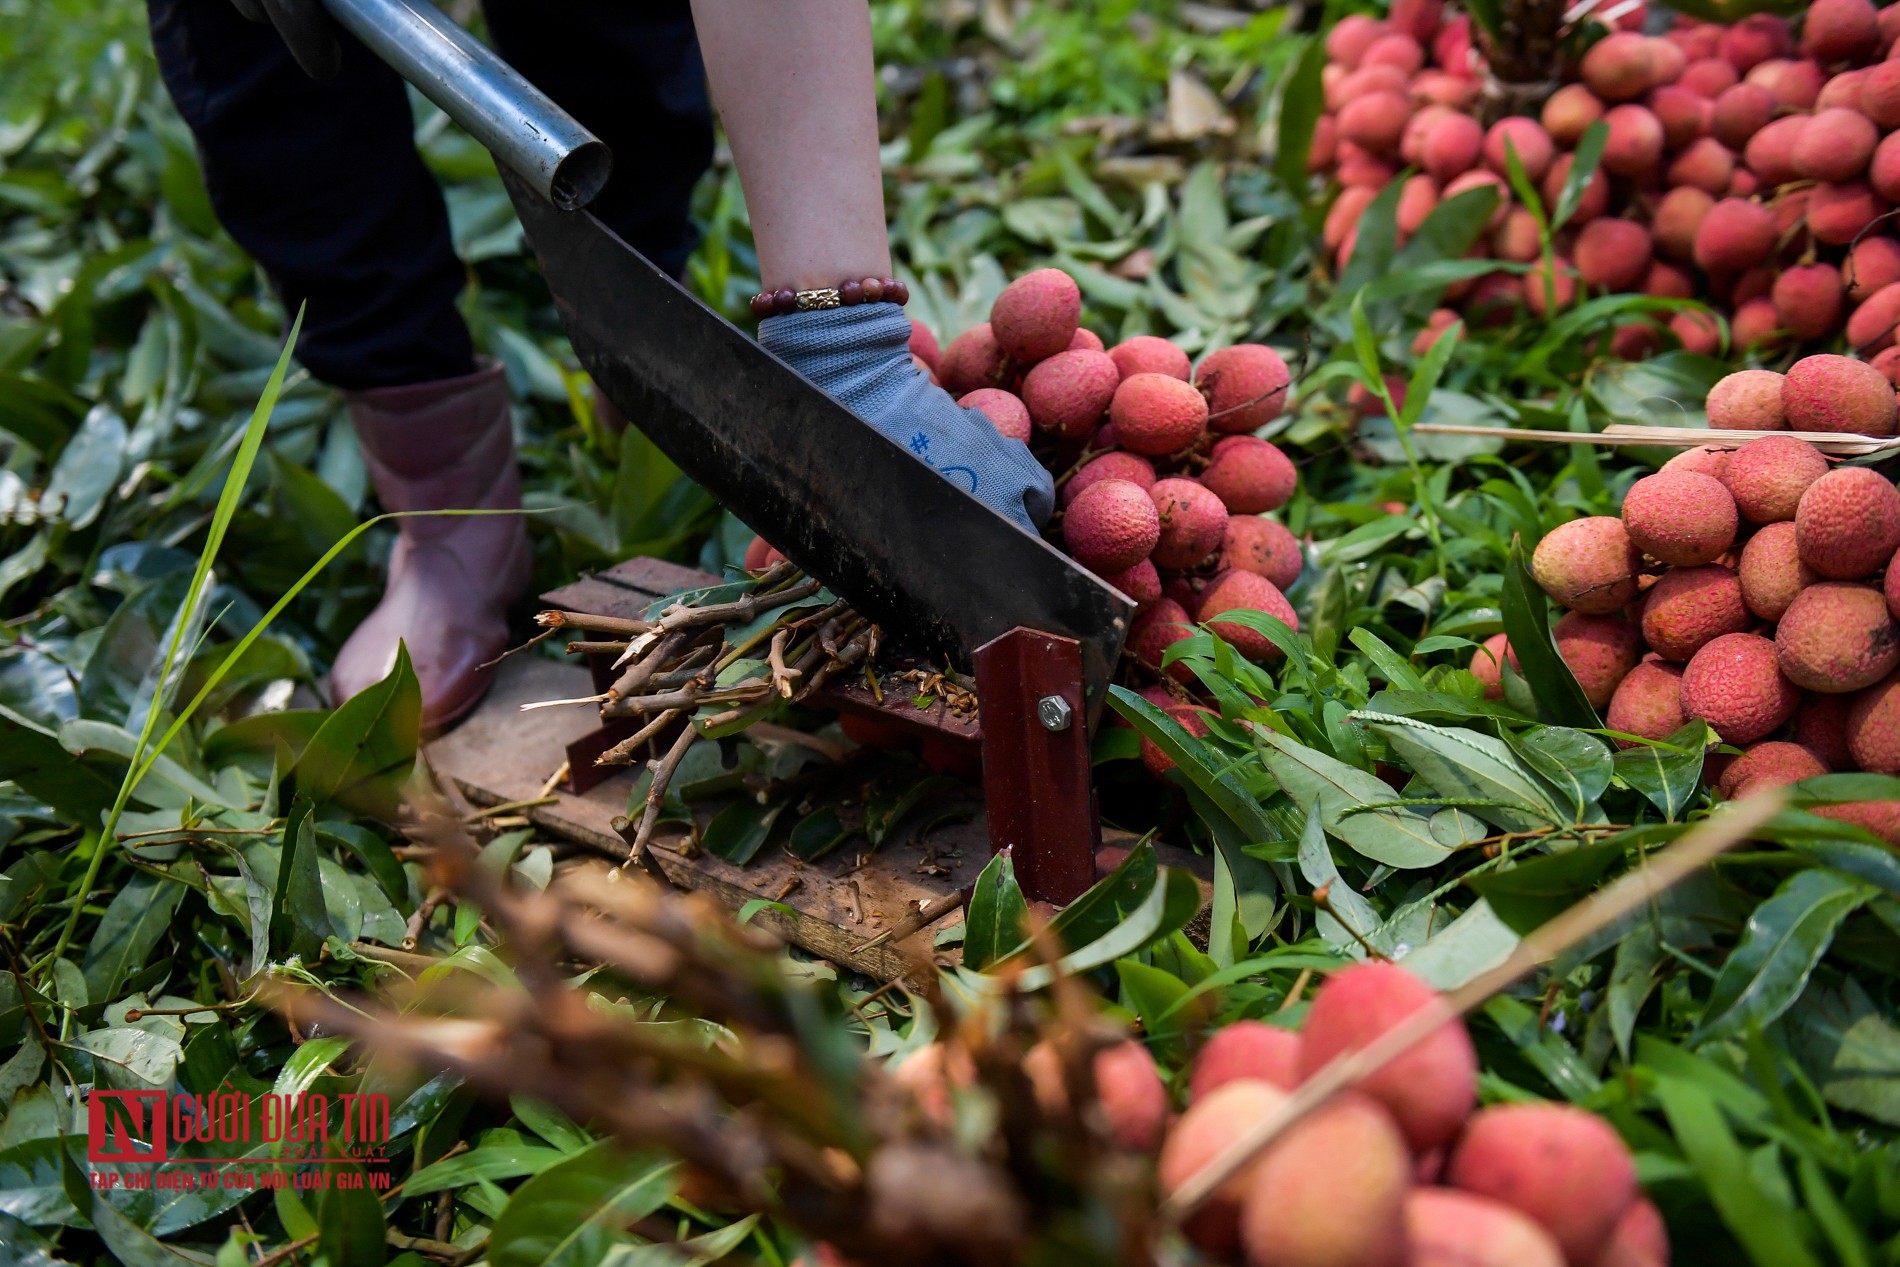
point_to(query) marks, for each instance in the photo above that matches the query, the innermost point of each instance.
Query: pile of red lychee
(1754, 588)
(1748, 166)
(1162, 485)
(1397, 1172)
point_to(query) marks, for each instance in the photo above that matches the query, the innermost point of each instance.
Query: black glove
(306, 28)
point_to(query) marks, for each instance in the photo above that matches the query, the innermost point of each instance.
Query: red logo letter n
(125, 1126)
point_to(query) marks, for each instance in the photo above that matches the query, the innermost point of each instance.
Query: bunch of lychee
(1399, 1171)
(1163, 487)
(1753, 588)
(1749, 166)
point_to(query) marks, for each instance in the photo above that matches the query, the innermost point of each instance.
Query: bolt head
(1054, 712)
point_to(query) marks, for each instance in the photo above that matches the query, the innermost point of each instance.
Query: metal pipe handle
(534, 138)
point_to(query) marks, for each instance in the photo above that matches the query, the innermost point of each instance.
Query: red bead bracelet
(863, 290)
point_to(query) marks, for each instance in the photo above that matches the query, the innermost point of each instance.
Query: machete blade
(904, 546)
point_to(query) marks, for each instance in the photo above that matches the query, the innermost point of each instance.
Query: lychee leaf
(1526, 621)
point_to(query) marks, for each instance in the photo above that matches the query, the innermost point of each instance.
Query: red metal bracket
(1036, 761)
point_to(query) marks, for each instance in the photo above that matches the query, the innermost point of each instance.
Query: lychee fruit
(1351, 36)
(1066, 393)
(1157, 629)
(1848, 523)
(1840, 31)
(1375, 121)
(1330, 1190)
(1708, 76)
(1680, 518)
(1820, 726)
(1140, 582)
(923, 345)
(1754, 40)
(1839, 213)
(1677, 219)
(1524, 136)
(1593, 202)
(1110, 466)
(1430, 1089)
(1879, 95)
(1873, 736)
(1684, 115)
(974, 359)
(1148, 354)
(1754, 327)
(1613, 255)
(1747, 400)
(1568, 114)
(1191, 718)
(1768, 765)
(1808, 300)
(1564, 1167)
(1772, 572)
(1769, 153)
(1687, 608)
(1241, 591)
(1396, 49)
(1487, 662)
(1518, 239)
(1246, 1049)
(1871, 327)
(1262, 546)
(1836, 145)
(1835, 393)
(1882, 818)
(1767, 477)
(1599, 650)
(1648, 703)
(1447, 1227)
(1706, 460)
(1452, 147)
(1835, 638)
(1035, 316)
(1211, 1124)
(1111, 526)
(1249, 475)
(1193, 522)
(1618, 67)
(1842, 91)
(1005, 410)
(1246, 387)
(1156, 414)
(1734, 235)
(1588, 565)
(1705, 164)
(1344, 214)
(1635, 145)
(1733, 683)
(1741, 112)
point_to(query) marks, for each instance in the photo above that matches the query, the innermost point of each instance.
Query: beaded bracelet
(866, 290)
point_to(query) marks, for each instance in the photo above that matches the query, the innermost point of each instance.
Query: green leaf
(135, 920)
(1536, 891)
(307, 1064)
(1351, 913)
(1764, 1225)
(993, 923)
(1668, 774)
(363, 755)
(817, 834)
(1399, 837)
(1850, 1048)
(1784, 940)
(572, 1213)
(133, 1246)
(1476, 942)
(299, 919)
(1573, 763)
(1302, 101)
(503, 1158)
(1474, 768)
(552, 1125)
(1175, 900)
(1527, 622)
(1583, 166)
(1197, 763)
(349, 1219)
(740, 830)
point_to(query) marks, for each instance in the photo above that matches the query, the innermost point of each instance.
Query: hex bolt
(1054, 712)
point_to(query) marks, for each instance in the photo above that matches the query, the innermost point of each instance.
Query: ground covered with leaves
(182, 834)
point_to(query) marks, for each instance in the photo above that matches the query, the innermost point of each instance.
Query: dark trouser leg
(321, 183)
(630, 71)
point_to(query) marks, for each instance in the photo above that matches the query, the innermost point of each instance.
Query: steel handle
(530, 135)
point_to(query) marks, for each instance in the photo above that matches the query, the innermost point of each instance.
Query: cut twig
(663, 770)
(915, 922)
(1654, 877)
(619, 626)
(623, 752)
(543, 636)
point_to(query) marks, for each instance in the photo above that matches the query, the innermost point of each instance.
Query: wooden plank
(501, 755)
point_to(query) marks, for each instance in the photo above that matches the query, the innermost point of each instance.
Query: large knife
(903, 545)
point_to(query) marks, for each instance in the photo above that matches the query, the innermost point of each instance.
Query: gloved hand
(306, 28)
